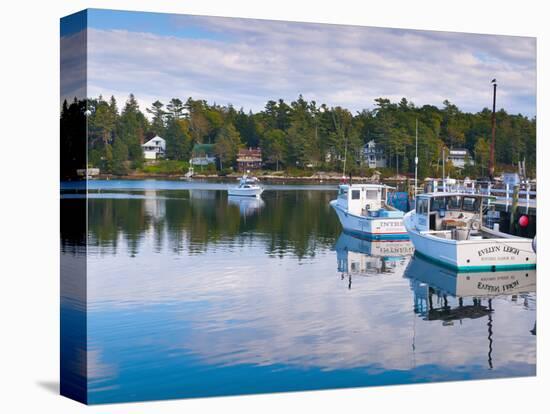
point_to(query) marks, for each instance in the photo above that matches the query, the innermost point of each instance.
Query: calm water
(192, 293)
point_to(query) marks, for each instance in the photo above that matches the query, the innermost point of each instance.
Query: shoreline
(333, 178)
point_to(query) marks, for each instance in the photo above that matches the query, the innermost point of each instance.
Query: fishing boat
(363, 211)
(448, 229)
(248, 187)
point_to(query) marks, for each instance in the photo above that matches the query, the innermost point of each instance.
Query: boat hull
(245, 192)
(384, 228)
(472, 255)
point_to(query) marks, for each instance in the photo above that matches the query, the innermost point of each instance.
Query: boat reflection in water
(448, 296)
(361, 257)
(248, 206)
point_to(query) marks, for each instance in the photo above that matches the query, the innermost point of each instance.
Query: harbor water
(191, 293)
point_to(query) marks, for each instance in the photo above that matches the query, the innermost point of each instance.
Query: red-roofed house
(249, 159)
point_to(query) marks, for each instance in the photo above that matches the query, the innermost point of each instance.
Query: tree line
(303, 135)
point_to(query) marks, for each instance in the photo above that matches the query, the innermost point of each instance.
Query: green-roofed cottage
(203, 154)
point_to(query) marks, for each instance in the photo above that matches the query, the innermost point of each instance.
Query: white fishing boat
(363, 211)
(448, 229)
(248, 187)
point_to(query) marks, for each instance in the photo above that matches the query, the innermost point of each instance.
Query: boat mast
(416, 161)
(345, 156)
(493, 129)
(443, 162)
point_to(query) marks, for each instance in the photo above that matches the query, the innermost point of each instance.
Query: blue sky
(246, 62)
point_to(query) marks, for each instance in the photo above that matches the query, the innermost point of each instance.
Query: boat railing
(525, 194)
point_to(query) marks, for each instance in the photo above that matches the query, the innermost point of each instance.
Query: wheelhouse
(442, 211)
(360, 199)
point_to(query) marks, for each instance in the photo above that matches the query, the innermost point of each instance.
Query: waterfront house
(373, 155)
(333, 155)
(249, 159)
(459, 157)
(87, 172)
(154, 149)
(203, 154)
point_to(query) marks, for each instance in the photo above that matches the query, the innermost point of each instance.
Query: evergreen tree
(120, 157)
(131, 129)
(175, 109)
(157, 123)
(178, 139)
(227, 144)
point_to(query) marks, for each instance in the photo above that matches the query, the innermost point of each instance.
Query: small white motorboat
(448, 229)
(364, 212)
(248, 187)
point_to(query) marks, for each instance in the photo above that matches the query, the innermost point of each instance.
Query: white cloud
(253, 61)
(73, 66)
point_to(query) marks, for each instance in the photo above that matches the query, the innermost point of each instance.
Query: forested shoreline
(299, 137)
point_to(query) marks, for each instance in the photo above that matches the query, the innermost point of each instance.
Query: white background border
(29, 224)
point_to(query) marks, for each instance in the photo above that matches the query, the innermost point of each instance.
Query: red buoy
(524, 221)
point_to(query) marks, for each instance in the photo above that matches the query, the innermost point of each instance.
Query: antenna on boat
(345, 156)
(493, 128)
(416, 161)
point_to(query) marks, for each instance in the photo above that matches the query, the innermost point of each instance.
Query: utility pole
(416, 161)
(493, 132)
(396, 163)
(443, 157)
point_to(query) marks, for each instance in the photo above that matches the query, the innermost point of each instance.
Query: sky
(246, 62)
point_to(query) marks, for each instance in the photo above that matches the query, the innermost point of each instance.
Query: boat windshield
(438, 203)
(455, 202)
(470, 204)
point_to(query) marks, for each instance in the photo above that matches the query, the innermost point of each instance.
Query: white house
(374, 156)
(154, 148)
(459, 157)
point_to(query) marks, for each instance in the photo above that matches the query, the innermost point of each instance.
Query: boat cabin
(442, 212)
(364, 199)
